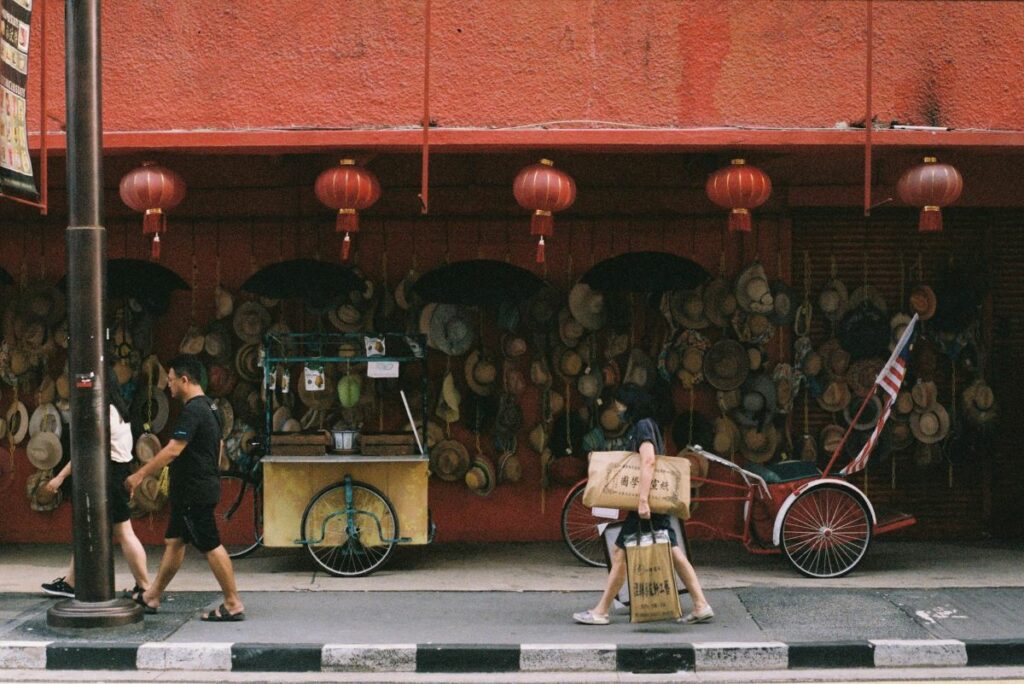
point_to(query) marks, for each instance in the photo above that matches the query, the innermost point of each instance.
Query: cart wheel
(826, 532)
(239, 516)
(354, 539)
(579, 529)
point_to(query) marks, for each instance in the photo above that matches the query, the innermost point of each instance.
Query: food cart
(352, 501)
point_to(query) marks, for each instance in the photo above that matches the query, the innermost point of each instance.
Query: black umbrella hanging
(645, 272)
(5, 277)
(147, 282)
(480, 282)
(318, 283)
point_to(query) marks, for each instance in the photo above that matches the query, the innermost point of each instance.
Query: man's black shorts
(196, 525)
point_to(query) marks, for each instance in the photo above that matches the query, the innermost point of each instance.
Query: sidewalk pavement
(507, 608)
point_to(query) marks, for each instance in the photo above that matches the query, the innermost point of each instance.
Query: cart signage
(15, 164)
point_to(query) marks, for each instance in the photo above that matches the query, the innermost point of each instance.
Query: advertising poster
(15, 164)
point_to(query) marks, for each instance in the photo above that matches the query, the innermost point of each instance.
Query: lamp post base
(75, 613)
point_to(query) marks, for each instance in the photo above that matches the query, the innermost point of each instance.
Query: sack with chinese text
(652, 581)
(613, 481)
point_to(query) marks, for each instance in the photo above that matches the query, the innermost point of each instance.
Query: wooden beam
(474, 140)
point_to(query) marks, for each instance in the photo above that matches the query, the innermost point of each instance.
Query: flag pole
(849, 430)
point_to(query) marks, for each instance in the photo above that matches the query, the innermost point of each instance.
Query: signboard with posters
(15, 163)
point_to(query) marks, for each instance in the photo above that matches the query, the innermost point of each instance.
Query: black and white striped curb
(700, 656)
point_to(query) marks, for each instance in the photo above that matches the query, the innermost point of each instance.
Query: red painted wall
(237, 64)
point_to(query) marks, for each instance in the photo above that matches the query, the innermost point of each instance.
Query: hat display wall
(587, 306)
(449, 460)
(44, 450)
(753, 293)
(726, 365)
(480, 477)
(40, 499)
(17, 422)
(931, 424)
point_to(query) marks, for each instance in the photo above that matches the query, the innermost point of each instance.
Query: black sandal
(146, 608)
(221, 614)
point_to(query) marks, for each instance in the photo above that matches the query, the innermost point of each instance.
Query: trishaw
(347, 509)
(822, 524)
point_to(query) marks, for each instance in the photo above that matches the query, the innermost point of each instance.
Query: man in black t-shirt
(192, 455)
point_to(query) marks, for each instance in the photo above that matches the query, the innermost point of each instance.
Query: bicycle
(239, 512)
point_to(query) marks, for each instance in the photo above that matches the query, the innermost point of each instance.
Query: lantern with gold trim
(543, 189)
(349, 188)
(739, 187)
(153, 190)
(931, 186)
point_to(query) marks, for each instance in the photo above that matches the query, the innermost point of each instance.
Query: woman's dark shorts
(631, 525)
(195, 525)
(117, 495)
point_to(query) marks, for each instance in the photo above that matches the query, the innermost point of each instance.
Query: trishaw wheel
(826, 532)
(239, 516)
(579, 529)
(350, 540)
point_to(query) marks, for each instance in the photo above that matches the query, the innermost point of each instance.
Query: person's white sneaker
(588, 617)
(695, 618)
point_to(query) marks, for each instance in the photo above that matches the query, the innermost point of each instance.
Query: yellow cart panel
(290, 482)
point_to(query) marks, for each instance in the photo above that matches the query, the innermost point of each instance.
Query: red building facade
(638, 102)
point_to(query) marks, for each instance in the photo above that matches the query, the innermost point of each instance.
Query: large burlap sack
(613, 481)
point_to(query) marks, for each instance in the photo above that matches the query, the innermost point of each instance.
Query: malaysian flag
(890, 379)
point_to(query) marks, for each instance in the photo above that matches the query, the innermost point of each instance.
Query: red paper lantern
(349, 188)
(152, 189)
(931, 186)
(739, 187)
(543, 189)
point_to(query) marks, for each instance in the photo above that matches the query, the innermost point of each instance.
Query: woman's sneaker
(59, 587)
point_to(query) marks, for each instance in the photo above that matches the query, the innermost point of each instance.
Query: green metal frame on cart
(306, 348)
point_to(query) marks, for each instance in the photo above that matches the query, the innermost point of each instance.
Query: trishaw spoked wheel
(826, 532)
(579, 529)
(350, 539)
(239, 516)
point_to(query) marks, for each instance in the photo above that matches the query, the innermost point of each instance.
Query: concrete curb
(470, 658)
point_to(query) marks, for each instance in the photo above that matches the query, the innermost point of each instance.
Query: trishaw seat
(784, 471)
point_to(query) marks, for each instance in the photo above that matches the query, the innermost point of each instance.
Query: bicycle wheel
(579, 529)
(826, 532)
(239, 515)
(350, 539)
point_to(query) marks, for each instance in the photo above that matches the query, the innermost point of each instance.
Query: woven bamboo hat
(726, 365)
(719, 302)
(44, 450)
(753, 293)
(40, 499)
(922, 301)
(509, 468)
(17, 422)
(931, 424)
(249, 321)
(587, 306)
(759, 446)
(449, 460)
(836, 396)
(147, 497)
(687, 309)
(146, 447)
(481, 373)
(480, 477)
(45, 418)
(979, 402)
(833, 299)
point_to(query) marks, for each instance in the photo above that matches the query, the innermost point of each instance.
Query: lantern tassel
(348, 221)
(346, 247)
(739, 221)
(930, 220)
(154, 252)
(540, 250)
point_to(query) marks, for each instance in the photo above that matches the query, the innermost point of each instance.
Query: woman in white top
(117, 496)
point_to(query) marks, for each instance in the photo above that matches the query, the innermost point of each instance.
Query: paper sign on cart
(382, 369)
(610, 513)
(314, 377)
